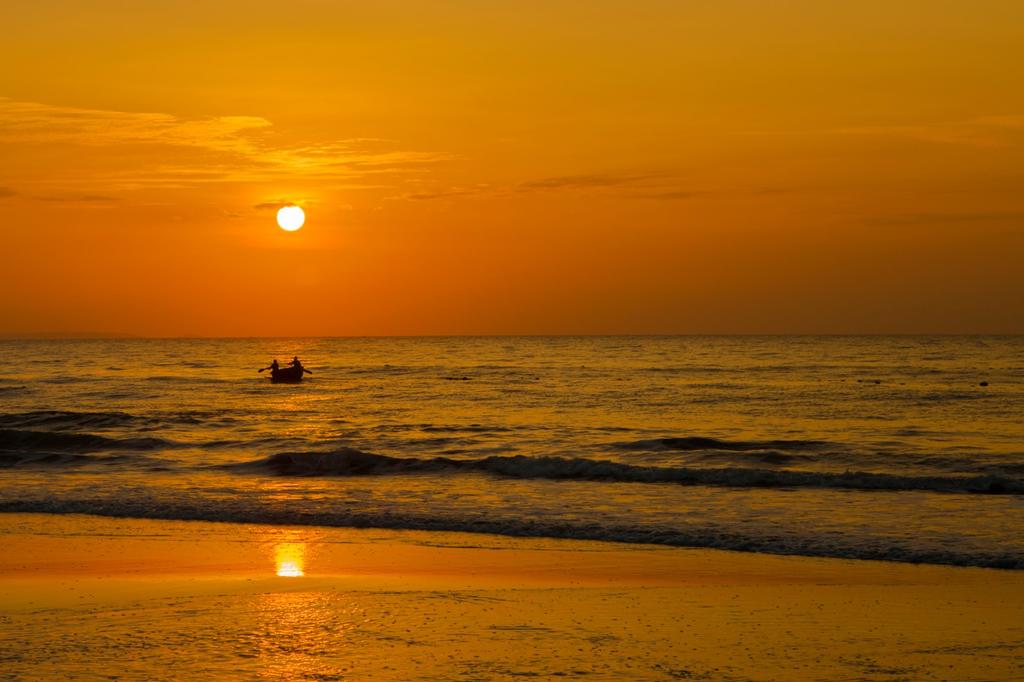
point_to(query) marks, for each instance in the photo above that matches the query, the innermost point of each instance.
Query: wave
(67, 459)
(60, 419)
(764, 457)
(352, 462)
(185, 379)
(57, 420)
(694, 537)
(693, 443)
(15, 440)
(467, 428)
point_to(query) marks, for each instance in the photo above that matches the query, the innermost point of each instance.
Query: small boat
(286, 375)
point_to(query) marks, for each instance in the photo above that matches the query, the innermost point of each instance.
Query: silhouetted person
(298, 365)
(273, 366)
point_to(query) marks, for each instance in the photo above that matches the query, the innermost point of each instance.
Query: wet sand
(94, 598)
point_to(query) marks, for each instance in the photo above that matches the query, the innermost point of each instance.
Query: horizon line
(84, 336)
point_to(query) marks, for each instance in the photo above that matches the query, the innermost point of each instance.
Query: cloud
(987, 131)
(450, 192)
(938, 218)
(659, 186)
(7, 192)
(84, 198)
(591, 181)
(32, 122)
(276, 203)
(981, 131)
(678, 194)
(640, 185)
(163, 150)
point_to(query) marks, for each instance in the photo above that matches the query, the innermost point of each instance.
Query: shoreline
(380, 604)
(539, 532)
(256, 538)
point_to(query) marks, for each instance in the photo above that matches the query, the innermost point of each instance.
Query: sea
(895, 448)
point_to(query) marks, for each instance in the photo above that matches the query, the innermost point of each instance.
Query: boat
(286, 375)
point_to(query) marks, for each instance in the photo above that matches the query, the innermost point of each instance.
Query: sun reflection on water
(290, 559)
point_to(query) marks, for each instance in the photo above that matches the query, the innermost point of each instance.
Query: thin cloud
(32, 122)
(938, 218)
(84, 198)
(590, 181)
(7, 192)
(681, 194)
(278, 202)
(670, 195)
(644, 185)
(205, 150)
(989, 131)
(981, 131)
(649, 186)
(446, 193)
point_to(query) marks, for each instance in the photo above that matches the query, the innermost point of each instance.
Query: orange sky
(684, 166)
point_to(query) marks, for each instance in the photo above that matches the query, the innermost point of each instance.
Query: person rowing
(298, 365)
(291, 374)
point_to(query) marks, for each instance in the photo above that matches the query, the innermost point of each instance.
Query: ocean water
(860, 447)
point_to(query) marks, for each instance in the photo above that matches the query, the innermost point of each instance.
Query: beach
(86, 597)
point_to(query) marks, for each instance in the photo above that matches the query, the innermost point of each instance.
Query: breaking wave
(692, 443)
(59, 419)
(67, 459)
(352, 462)
(703, 537)
(48, 441)
(63, 420)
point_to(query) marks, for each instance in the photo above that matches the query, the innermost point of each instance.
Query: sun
(290, 218)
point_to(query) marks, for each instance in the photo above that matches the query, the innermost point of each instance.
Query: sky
(554, 167)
